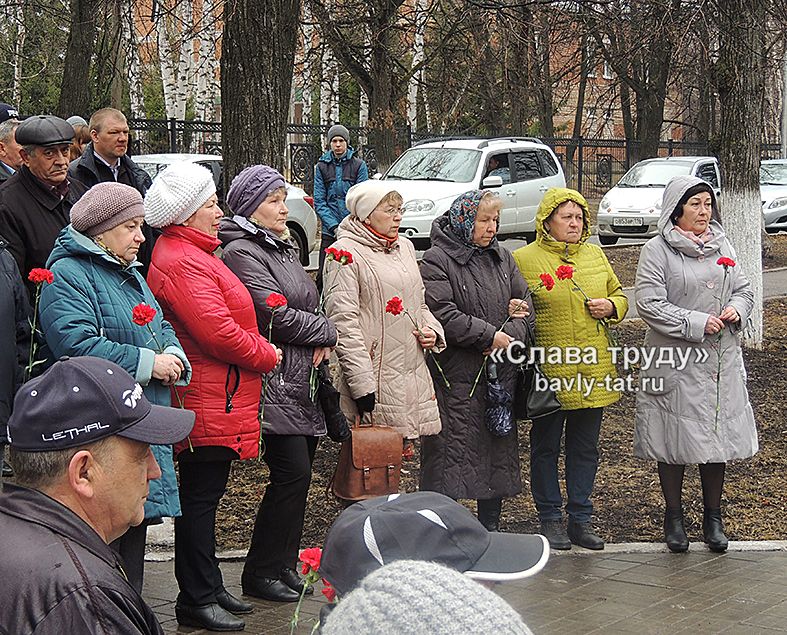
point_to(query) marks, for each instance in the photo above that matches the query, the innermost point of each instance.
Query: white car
(773, 191)
(302, 219)
(430, 175)
(632, 208)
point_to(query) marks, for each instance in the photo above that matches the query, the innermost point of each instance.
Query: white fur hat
(177, 192)
(364, 197)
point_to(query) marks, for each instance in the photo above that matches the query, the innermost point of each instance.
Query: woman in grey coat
(472, 286)
(695, 300)
(257, 250)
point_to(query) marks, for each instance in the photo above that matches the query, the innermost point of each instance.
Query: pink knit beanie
(104, 206)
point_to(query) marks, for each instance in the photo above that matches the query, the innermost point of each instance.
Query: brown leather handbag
(369, 465)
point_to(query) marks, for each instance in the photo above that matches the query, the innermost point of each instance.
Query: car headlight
(418, 206)
(604, 205)
(778, 202)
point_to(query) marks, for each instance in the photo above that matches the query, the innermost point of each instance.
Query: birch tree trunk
(418, 57)
(783, 127)
(741, 78)
(19, 45)
(308, 75)
(329, 82)
(133, 63)
(205, 70)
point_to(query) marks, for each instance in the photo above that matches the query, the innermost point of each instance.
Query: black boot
(328, 396)
(674, 532)
(489, 513)
(584, 535)
(713, 530)
(555, 533)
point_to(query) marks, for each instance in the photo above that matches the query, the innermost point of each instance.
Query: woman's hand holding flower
(600, 308)
(713, 325)
(319, 354)
(730, 314)
(502, 340)
(518, 308)
(427, 338)
(167, 368)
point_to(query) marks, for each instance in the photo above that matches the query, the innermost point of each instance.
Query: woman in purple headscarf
(472, 286)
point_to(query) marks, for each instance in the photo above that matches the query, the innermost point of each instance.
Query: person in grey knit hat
(411, 597)
(335, 173)
(105, 206)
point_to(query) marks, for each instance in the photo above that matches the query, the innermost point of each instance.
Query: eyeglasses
(392, 211)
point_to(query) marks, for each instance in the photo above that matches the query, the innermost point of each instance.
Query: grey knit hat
(408, 596)
(251, 187)
(177, 192)
(76, 120)
(338, 130)
(104, 206)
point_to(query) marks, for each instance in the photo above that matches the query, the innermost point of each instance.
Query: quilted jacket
(266, 264)
(213, 316)
(562, 319)
(468, 291)
(87, 311)
(377, 350)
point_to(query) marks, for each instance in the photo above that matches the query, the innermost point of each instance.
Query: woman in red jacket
(213, 316)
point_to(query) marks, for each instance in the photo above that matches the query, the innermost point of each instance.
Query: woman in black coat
(472, 286)
(257, 250)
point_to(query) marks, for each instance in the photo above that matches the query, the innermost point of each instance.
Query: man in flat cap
(80, 446)
(36, 201)
(105, 160)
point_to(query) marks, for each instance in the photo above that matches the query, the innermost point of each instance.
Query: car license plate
(627, 221)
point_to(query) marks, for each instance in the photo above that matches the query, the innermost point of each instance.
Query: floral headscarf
(462, 213)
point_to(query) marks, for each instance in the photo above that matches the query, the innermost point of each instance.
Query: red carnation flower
(564, 272)
(38, 276)
(345, 257)
(276, 300)
(142, 314)
(331, 253)
(725, 262)
(394, 306)
(328, 591)
(548, 281)
(311, 559)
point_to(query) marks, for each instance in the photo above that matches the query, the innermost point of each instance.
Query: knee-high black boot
(712, 478)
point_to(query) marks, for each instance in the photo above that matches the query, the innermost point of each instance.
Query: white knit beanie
(362, 198)
(409, 596)
(177, 192)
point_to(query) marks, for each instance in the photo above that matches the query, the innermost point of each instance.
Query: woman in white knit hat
(213, 315)
(381, 354)
(88, 310)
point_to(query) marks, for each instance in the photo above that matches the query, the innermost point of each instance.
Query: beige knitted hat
(104, 206)
(177, 192)
(364, 197)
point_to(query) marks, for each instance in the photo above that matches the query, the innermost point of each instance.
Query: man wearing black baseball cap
(80, 447)
(35, 202)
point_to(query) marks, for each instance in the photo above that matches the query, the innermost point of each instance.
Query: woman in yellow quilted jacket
(572, 321)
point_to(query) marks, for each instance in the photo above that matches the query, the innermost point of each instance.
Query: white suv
(432, 174)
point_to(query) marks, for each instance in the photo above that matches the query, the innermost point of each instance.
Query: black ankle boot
(674, 532)
(713, 530)
(489, 513)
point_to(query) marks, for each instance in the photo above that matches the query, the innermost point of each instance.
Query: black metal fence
(591, 166)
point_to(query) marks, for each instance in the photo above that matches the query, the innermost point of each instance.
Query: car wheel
(608, 240)
(300, 241)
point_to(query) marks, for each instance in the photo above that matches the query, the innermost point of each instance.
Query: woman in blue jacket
(88, 309)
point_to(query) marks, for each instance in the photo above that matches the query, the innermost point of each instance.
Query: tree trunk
(133, 63)
(19, 45)
(540, 54)
(418, 57)
(254, 120)
(741, 78)
(75, 85)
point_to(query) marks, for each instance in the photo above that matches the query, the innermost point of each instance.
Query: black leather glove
(365, 403)
(335, 421)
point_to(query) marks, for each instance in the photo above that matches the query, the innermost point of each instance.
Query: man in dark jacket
(36, 201)
(335, 173)
(80, 438)
(105, 159)
(10, 159)
(14, 340)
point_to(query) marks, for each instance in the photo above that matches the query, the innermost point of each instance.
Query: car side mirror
(377, 176)
(492, 181)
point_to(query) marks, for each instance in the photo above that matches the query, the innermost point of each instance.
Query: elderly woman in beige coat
(382, 361)
(695, 299)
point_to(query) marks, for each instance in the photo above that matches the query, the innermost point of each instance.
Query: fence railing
(591, 166)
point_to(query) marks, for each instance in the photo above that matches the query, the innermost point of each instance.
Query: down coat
(468, 291)
(678, 286)
(266, 264)
(87, 311)
(213, 316)
(562, 319)
(377, 350)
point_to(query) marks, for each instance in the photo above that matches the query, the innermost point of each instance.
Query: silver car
(302, 220)
(773, 191)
